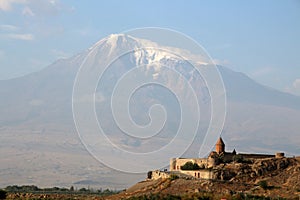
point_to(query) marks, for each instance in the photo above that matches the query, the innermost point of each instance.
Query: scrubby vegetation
(263, 184)
(155, 197)
(174, 177)
(55, 190)
(204, 196)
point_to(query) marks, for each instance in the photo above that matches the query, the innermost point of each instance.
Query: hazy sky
(259, 38)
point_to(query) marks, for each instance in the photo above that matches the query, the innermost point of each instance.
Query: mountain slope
(241, 88)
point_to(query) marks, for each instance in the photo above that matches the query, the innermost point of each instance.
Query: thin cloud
(221, 62)
(262, 71)
(13, 32)
(43, 8)
(8, 27)
(294, 88)
(32, 7)
(59, 53)
(33, 13)
(7, 5)
(26, 37)
(28, 12)
(296, 84)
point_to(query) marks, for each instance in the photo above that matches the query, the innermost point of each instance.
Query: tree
(190, 166)
(83, 190)
(3, 194)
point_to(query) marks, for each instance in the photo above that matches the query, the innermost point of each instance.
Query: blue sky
(259, 38)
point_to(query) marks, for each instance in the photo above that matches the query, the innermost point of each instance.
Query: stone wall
(201, 174)
(197, 174)
(157, 174)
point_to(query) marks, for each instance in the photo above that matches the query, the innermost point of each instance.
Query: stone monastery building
(204, 167)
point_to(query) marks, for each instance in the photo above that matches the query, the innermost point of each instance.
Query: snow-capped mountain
(36, 118)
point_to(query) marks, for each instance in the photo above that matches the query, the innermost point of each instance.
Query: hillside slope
(282, 178)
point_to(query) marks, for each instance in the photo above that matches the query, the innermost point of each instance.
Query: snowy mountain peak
(128, 41)
(142, 51)
(118, 39)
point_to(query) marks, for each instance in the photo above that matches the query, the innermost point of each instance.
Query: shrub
(238, 158)
(173, 176)
(263, 184)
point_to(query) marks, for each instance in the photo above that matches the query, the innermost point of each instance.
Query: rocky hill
(272, 178)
